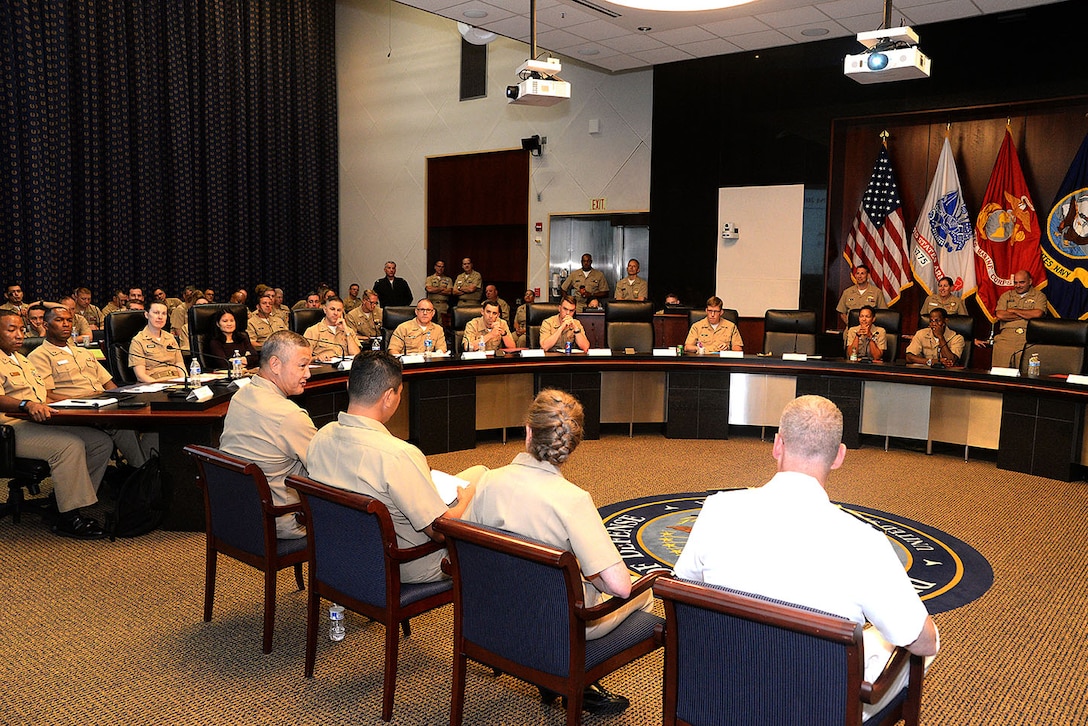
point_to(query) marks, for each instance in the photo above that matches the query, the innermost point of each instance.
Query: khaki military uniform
(440, 300)
(73, 372)
(550, 325)
(952, 306)
(350, 303)
(266, 427)
(726, 337)
(77, 455)
(628, 289)
(924, 344)
(593, 281)
(409, 337)
(1010, 340)
(93, 315)
(477, 328)
(531, 498)
(110, 308)
(366, 325)
(260, 329)
(469, 299)
(328, 344)
(179, 317)
(880, 337)
(522, 338)
(853, 298)
(165, 355)
(80, 326)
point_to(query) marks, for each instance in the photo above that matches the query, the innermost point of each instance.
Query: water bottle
(194, 368)
(375, 344)
(1033, 366)
(481, 345)
(700, 348)
(428, 345)
(336, 623)
(237, 365)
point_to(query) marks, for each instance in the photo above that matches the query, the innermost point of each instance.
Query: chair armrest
(612, 604)
(659, 634)
(901, 657)
(277, 510)
(413, 553)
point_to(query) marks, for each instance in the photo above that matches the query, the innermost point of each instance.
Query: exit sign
(598, 205)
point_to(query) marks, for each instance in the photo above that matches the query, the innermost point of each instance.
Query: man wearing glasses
(712, 334)
(558, 330)
(412, 336)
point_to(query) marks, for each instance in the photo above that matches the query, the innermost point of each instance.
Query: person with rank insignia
(632, 287)
(1015, 308)
(154, 354)
(586, 283)
(862, 292)
(562, 329)
(713, 333)
(439, 287)
(952, 304)
(487, 332)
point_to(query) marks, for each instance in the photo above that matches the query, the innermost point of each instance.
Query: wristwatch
(23, 404)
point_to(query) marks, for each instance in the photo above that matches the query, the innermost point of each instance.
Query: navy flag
(1065, 246)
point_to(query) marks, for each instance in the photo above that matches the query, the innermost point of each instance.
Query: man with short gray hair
(266, 427)
(760, 541)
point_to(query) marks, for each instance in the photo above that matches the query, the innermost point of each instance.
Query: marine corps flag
(1007, 233)
(1065, 249)
(878, 236)
(943, 243)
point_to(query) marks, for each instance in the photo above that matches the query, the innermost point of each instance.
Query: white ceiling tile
(851, 8)
(562, 16)
(633, 43)
(599, 30)
(862, 23)
(680, 36)
(602, 51)
(708, 48)
(948, 10)
(834, 30)
(667, 54)
(622, 63)
(759, 41)
(797, 16)
(457, 12)
(556, 39)
(735, 26)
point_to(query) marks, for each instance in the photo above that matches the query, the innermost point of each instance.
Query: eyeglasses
(424, 310)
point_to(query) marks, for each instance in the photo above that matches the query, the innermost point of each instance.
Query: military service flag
(1007, 233)
(878, 236)
(943, 241)
(1065, 248)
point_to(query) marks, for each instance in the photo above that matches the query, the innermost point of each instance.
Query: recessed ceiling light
(475, 14)
(814, 32)
(644, 28)
(679, 5)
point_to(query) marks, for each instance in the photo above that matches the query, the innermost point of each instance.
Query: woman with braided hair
(530, 497)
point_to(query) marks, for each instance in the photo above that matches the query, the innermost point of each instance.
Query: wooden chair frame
(393, 613)
(579, 676)
(271, 561)
(771, 613)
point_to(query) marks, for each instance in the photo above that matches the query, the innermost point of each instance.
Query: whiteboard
(760, 270)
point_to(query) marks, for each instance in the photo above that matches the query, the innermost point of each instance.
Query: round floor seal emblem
(651, 532)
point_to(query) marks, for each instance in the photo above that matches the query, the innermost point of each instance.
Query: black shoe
(547, 697)
(74, 524)
(596, 699)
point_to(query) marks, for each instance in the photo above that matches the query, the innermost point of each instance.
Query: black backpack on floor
(141, 501)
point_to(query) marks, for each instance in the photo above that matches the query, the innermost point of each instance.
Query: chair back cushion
(789, 331)
(234, 504)
(349, 549)
(965, 326)
(393, 316)
(121, 328)
(1058, 343)
(462, 316)
(535, 314)
(303, 318)
(512, 603)
(201, 326)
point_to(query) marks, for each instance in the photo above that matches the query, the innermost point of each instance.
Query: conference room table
(1035, 425)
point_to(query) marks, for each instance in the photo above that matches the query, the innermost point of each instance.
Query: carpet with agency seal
(650, 533)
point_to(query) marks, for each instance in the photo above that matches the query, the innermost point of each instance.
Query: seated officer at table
(937, 344)
(154, 353)
(866, 340)
(558, 330)
(69, 371)
(263, 322)
(366, 319)
(77, 455)
(332, 337)
(411, 336)
(357, 453)
(266, 427)
(489, 331)
(712, 333)
(520, 330)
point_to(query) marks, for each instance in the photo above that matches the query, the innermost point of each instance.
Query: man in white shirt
(760, 541)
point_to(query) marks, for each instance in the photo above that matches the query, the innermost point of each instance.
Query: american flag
(878, 236)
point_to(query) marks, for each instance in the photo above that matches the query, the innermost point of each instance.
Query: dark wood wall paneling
(478, 207)
(766, 118)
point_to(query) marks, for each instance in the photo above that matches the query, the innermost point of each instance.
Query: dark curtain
(167, 142)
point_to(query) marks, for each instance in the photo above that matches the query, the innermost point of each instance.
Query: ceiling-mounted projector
(539, 85)
(891, 55)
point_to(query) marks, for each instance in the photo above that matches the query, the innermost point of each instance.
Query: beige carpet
(111, 633)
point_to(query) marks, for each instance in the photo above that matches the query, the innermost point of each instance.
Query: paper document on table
(148, 388)
(448, 485)
(83, 403)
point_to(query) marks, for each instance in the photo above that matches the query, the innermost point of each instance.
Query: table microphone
(185, 373)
